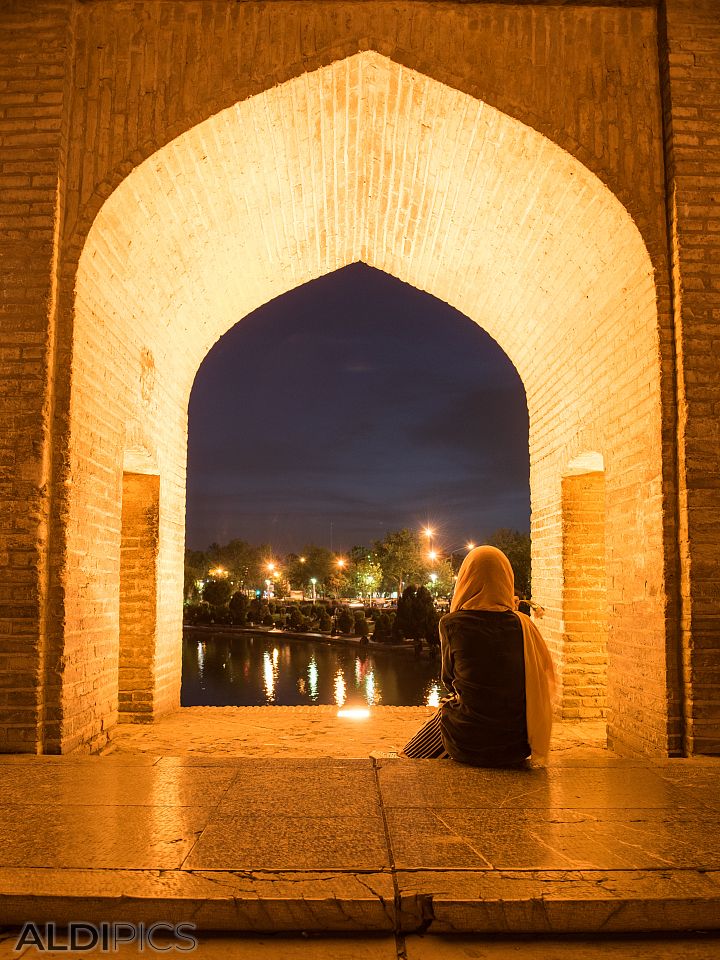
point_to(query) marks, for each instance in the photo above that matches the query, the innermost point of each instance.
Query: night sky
(352, 406)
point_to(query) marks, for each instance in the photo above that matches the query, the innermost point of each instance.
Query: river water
(263, 669)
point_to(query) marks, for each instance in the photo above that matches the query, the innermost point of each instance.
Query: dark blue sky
(357, 401)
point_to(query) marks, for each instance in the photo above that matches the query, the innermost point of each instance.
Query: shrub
(360, 625)
(383, 629)
(295, 620)
(217, 592)
(197, 613)
(238, 607)
(344, 621)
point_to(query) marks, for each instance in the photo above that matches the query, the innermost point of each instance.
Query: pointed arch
(366, 160)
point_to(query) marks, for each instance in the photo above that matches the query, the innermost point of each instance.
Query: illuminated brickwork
(583, 654)
(138, 595)
(203, 158)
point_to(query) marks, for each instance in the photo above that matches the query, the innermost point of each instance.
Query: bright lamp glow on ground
(355, 713)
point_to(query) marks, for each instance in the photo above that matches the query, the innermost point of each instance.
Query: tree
(383, 632)
(365, 576)
(400, 557)
(318, 565)
(426, 615)
(516, 547)
(344, 620)
(408, 625)
(196, 567)
(238, 605)
(444, 581)
(217, 592)
(242, 562)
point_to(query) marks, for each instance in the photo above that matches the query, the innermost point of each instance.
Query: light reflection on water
(259, 669)
(340, 697)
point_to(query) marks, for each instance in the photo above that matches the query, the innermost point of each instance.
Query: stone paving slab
(553, 839)
(568, 901)
(223, 900)
(447, 784)
(277, 842)
(589, 843)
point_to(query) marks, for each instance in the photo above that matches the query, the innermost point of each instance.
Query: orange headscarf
(486, 582)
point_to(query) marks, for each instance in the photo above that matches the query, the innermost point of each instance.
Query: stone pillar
(690, 67)
(138, 596)
(585, 617)
(33, 48)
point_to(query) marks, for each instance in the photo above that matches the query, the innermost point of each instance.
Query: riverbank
(332, 640)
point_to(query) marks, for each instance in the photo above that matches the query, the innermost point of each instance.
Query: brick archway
(364, 160)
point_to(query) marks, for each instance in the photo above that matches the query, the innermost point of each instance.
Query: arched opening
(349, 407)
(367, 161)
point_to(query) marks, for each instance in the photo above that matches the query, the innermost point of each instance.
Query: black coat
(483, 665)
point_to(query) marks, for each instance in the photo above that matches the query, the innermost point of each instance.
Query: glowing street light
(313, 581)
(218, 572)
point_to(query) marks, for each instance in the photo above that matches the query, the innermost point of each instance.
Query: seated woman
(498, 670)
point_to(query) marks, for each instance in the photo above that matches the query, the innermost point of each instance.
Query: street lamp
(313, 581)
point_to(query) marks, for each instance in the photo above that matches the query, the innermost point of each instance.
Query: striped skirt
(427, 743)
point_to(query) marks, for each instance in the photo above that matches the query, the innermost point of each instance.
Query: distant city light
(433, 698)
(355, 713)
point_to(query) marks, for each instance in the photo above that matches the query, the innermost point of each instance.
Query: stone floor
(217, 818)
(287, 732)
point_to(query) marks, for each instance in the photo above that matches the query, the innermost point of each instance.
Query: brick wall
(138, 595)
(585, 608)
(33, 46)
(313, 175)
(358, 161)
(690, 45)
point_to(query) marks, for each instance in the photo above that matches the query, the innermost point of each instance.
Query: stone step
(458, 901)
